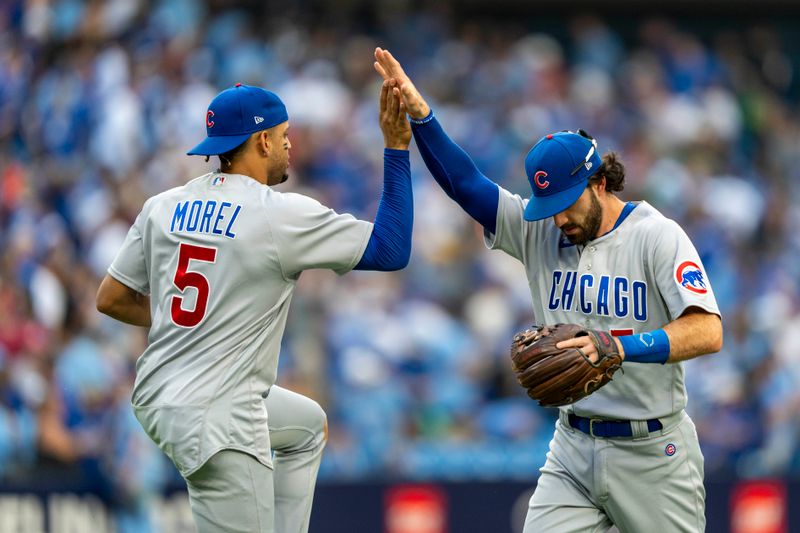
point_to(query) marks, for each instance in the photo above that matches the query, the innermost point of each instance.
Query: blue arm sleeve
(456, 173)
(389, 246)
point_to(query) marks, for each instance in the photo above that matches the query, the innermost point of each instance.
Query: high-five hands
(394, 124)
(390, 69)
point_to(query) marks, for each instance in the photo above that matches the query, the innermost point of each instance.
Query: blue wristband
(648, 347)
(420, 121)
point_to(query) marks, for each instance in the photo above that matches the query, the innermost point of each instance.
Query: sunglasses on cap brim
(589, 155)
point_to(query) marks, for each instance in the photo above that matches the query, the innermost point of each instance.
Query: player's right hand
(389, 68)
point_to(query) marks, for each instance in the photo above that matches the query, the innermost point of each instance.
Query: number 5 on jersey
(184, 278)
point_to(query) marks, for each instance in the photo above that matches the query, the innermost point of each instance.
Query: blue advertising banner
(760, 506)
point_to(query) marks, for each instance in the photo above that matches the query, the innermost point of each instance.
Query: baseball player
(211, 267)
(627, 455)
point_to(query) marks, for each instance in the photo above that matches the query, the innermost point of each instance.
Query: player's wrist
(395, 151)
(649, 347)
(396, 142)
(422, 117)
(620, 348)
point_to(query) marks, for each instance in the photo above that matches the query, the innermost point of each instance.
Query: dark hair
(613, 170)
(226, 159)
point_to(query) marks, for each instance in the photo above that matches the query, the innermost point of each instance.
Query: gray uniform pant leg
(652, 491)
(588, 484)
(232, 492)
(298, 432)
(563, 501)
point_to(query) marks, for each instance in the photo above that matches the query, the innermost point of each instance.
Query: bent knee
(320, 420)
(295, 421)
(311, 415)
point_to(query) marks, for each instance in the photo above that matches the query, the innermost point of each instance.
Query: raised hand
(390, 69)
(394, 124)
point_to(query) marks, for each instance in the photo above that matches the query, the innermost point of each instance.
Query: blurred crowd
(99, 102)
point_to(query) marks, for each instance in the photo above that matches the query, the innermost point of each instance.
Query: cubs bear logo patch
(690, 276)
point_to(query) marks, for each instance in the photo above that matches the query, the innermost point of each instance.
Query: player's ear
(600, 184)
(263, 142)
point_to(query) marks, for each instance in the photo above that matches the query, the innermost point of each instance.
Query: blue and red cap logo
(235, 114)
(559, 167)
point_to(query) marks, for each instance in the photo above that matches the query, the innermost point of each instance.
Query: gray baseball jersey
(220, 257)
(637, 278)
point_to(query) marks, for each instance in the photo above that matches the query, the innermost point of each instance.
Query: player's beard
(286, 168)
(285, 175)
(276, 176)
(590, 225)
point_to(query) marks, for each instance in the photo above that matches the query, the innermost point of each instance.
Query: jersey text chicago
(606, 296)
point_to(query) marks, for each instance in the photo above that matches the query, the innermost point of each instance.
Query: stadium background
(428, 433)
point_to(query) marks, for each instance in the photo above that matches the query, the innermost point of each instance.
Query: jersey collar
(629, 207)
(563, 242)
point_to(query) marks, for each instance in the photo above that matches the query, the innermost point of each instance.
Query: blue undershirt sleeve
(389, 246)
(456, 173)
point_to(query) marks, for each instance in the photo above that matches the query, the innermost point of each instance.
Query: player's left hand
(586, 345)
(394, 124)
(390, 69)
(563, 363)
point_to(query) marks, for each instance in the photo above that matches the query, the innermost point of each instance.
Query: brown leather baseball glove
(555, 377)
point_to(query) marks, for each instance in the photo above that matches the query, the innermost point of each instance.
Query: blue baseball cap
(235, 114)
(559, 167)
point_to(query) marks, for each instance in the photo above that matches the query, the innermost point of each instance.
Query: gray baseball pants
(653, 482)
(233, 492)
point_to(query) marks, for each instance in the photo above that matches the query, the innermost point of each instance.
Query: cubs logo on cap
(539, 181)
(689, 276)
(235, 114)
(559, 167)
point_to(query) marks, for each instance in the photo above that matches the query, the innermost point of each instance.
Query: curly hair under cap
(613, 170)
